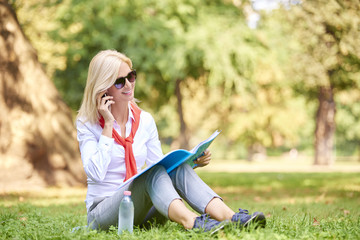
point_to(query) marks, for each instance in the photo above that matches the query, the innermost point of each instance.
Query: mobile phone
(105, 94)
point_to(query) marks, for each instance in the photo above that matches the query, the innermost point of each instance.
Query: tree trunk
(183, 138)
(38, 144)
(325, 127)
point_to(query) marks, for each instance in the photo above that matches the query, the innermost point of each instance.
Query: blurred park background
(279, 78)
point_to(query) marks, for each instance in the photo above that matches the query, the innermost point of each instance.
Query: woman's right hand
(103, 106)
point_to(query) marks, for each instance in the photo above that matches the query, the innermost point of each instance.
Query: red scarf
(130, 162)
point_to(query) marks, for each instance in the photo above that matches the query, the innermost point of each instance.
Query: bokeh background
(279, 78)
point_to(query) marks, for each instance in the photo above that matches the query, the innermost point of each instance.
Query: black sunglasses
(120, 82)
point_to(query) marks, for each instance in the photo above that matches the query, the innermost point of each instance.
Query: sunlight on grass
(45, 197)
(296, 205)
(280, 164)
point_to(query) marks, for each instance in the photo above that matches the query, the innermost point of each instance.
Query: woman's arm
(104, 103)
(95, 153)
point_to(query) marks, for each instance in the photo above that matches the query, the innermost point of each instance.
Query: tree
(157, 36)
(37, 137)
(187, 53)
(247, 94)
(326, 62)
(136, 28)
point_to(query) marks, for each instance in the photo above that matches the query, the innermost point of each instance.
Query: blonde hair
(103, 71)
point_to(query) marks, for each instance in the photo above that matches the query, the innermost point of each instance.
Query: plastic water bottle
(126, 214)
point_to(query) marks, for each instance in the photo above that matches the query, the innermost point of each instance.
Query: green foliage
(348, 120)
(150, 33)
(327, 53)
(37, 19)
(249, 83)
(169, 41)
(297, 206)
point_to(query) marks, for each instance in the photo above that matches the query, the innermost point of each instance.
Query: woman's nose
(127, 83)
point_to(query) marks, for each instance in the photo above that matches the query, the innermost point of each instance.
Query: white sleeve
(95, 153)
(154, 151)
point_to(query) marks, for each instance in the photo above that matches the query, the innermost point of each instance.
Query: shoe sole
(258, 218)
(219, 227)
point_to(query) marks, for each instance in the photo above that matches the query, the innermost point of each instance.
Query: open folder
(177, 157)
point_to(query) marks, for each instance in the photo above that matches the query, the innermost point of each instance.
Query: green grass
(297, 206)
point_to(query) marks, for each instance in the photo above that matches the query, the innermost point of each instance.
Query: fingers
(205, 159)
(104, 102)
(207, 153)
(202, 162)
(108, 103)
(103, 106)
(101, 100)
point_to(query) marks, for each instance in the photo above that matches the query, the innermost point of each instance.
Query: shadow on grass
(297, 205)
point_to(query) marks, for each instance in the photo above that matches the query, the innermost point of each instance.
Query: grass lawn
(297, 206)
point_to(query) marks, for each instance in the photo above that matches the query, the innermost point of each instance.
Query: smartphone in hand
(105, 94)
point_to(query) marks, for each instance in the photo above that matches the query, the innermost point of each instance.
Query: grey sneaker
(244, 219)
(207, 224)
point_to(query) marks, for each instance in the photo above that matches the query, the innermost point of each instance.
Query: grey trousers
(152, 194)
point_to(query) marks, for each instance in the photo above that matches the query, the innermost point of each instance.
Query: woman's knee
(155, 174)
(157, 169)
(154, 171)
(184, 169)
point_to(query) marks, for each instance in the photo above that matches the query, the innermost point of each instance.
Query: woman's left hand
(204, 160)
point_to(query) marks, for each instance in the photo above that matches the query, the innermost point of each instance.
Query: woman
(116, 139)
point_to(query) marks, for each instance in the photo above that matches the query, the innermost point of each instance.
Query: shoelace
(243, 211)
(240, 215)
(201, 220)
(204, 217)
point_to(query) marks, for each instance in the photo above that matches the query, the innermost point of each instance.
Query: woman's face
(126, 93)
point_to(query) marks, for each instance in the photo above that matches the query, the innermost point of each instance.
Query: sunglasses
(120, 82)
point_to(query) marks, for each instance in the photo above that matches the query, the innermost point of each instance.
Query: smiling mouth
(127, 92)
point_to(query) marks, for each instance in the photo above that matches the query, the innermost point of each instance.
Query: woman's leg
(166, 199)
(153, 217)
(198, 194)
(152, 188)
(219, 210)
(145, 191)
(179, 213)
(104, 211)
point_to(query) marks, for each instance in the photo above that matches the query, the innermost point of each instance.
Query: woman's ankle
(179, 213)
(218, 210)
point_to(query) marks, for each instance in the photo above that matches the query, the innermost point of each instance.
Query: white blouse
(104, 160)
